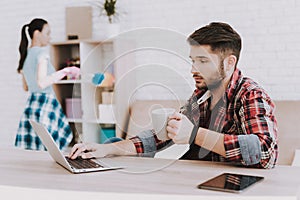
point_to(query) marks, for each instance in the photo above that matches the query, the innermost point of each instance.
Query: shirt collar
(234, 83)
(198, 93)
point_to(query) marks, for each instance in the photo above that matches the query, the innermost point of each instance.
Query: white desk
(30, 173)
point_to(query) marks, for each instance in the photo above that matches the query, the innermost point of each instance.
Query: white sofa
(287, 113)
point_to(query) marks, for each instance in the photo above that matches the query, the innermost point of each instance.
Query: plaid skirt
(43, 108)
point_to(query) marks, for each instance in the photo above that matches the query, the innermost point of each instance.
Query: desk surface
(36, 169)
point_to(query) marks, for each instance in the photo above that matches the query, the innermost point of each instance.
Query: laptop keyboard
(80, 163)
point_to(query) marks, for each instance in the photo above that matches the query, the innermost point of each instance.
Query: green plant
(110, 9)
(107, 8)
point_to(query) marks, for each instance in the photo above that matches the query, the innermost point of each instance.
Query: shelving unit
(95, 57)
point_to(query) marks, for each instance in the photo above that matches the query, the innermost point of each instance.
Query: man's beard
(218, 82)
(215, 84)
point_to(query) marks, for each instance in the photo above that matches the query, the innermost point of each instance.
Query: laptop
(75, 166)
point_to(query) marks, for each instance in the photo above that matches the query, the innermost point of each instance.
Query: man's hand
(179, 128)
(92, 150)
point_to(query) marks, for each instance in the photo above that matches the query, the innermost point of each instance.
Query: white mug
(160, 120)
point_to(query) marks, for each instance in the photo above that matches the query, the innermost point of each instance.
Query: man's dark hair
(220, 37)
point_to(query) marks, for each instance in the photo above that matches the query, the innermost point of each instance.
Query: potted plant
(108, 9)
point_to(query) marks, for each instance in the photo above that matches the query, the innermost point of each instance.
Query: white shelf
(94, 57)
(75, 120)
(68, 42)
(69, 82)
(93, 121)
(78, 81)
(97, 121)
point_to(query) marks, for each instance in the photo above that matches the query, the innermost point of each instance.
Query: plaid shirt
(245, 109)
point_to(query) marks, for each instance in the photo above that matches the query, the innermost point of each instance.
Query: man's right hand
(90, 150)
(95, 150)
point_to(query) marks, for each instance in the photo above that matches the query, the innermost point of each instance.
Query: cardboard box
(79, 22)
(106, 113)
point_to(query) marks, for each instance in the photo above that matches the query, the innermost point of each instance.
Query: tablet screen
(230, 182)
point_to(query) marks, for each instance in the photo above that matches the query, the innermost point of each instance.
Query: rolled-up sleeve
(257, 144)
(145, 143)
(250, 149)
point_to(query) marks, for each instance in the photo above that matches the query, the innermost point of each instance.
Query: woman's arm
(45, 80)
(24, 83)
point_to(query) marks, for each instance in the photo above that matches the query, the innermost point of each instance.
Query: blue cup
(98, 78)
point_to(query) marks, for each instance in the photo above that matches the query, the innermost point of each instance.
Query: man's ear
(230, 62)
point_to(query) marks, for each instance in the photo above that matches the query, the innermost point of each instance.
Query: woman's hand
(72, 72)
(179, 128)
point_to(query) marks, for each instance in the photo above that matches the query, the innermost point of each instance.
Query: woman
(38, 76)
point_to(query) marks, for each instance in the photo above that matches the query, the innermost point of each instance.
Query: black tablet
(229, 182)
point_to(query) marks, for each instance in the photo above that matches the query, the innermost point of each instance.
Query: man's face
(207, 69)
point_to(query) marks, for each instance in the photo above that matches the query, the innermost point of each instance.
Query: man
(228, 117)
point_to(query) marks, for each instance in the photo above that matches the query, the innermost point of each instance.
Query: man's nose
(194, 69)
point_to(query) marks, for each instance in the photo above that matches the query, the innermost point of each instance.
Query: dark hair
(220, 37)
(35, 24)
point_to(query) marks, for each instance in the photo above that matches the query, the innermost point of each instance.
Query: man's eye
(203, 61)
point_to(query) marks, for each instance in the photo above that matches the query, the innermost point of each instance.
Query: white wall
(270, 30)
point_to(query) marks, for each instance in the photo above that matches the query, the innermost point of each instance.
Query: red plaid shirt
(244, 109)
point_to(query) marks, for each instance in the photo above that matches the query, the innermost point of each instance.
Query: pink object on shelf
(73, 108)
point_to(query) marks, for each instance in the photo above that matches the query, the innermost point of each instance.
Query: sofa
(289, 130)
(286, 113)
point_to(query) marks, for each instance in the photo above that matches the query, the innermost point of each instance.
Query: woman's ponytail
(23, 48)
(35, 24)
